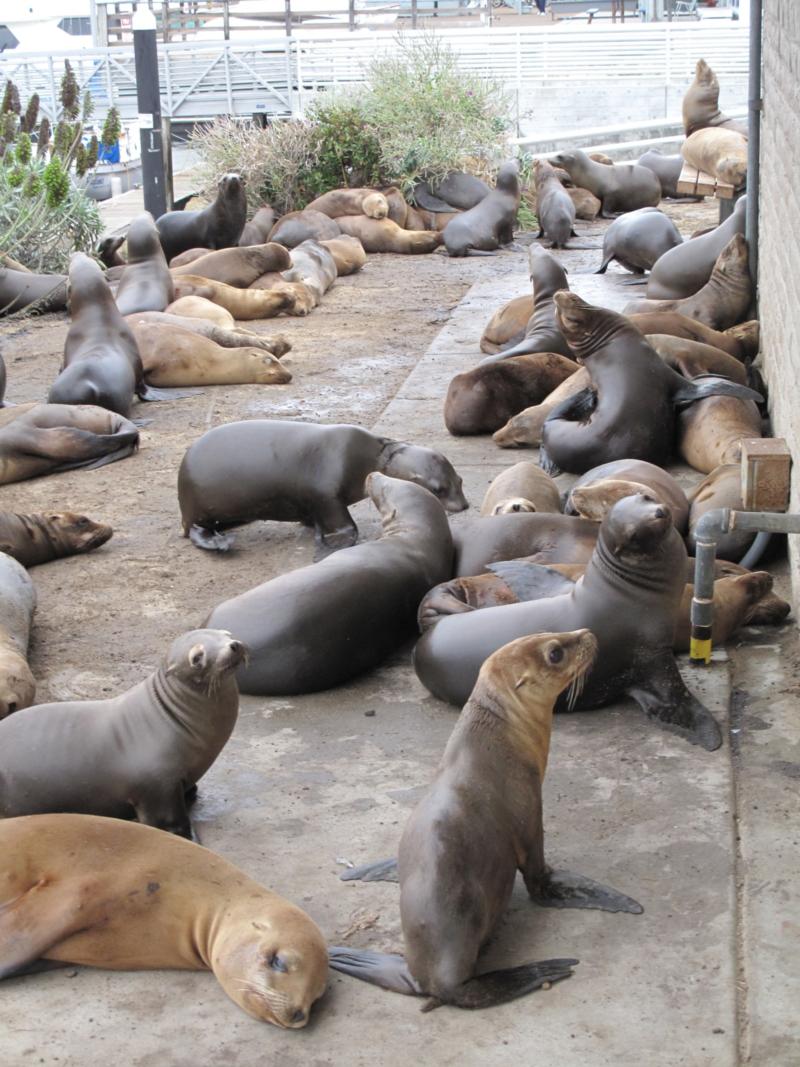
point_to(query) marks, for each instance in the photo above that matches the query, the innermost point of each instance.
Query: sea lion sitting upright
(629, 598)
(480, 822)
(326, 623)
(554, 207)
(490, 223)
(257, 230)
(121, 896)
(146, 283)
(17, 605)
(638, 239)
(296, 472)
(701, 104)
(219, 225)
(135, 754)
(623, 187)
(34, 539)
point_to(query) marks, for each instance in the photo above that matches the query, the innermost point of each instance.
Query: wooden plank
(694, 182)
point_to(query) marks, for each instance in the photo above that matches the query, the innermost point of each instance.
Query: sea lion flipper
(498, 987)
(531, 581)
(211, 540)
(377, 968)
(39, 918)
(334, 529)
(150, 393)
(164, 807)
(563, 889)
(663, 696)
(380, 871)
(576, 408)
(712, 385)
(548, 465)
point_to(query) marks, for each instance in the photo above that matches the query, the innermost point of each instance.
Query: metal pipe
(754, 103)
(756, 550)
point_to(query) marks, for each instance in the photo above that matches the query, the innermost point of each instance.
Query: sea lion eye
(197, 656)
(277, 963)
(555, 655)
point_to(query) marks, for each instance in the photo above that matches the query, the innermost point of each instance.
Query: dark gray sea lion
(296, 472)
(554, 207)
(638, 238)
(299, 226)
(219, 225)
(17, 605)
(490, 223)
(40, 292)
(319, 626)
(257, 230)
(108, 251)
(658, 482)
(623, 187)
(146, 282)
(456, 192)
(667, 169)
(550, 538)
(38, 538)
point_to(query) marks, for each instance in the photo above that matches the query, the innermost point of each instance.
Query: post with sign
(148, 95)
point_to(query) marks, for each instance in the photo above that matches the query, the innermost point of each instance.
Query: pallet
(694, 182)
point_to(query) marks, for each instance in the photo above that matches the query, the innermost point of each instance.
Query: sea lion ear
(197, 656)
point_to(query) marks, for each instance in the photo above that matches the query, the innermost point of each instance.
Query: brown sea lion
(241, 303)
(348, 253)
(710, 433)
(237, 266)
(522, 481)
(550, 538)
(219, 225)
(173, 356)
(298, 226)
(587, 205)
(484, 398)
(691, 358)
(479, 823)
(136, 754)
(525, 428)
(161, 903)
(491, 222)
(719, 152)
(21, 289)
(38, 439)
(296, 472)
(383, 235)
(361, 201)
(656, 481)
(554, 207)
(38, 538)
(701, 104)
(2, 380)
(257, 230)
(189, 256)
(623, 187)
(638, 238)
(17, 605)
(324, 624)
(740, 341)
(507, 325)
(227, 336)
(146, 283)
(722, 488)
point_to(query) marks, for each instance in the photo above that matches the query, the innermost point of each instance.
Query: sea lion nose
(299, 1016)
(660, 513)
(235, 646)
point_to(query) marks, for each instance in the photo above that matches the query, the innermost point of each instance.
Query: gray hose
(756, 550)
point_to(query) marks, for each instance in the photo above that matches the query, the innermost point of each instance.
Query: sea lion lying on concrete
(338, 202)
(298, 226)
(720, 153)
(383, 235)
(740, 341)
(41, 292)
(638, 239)
(525, 481)
(17, 605)
(39, 538)
(491, 222)
(525, 428)
(711, 433)
(348, 253)
(550, 538)
(554, 207)
(623, 187)
(690, 358)
(238, 267)
(507, 325)
(227, 336)
(654, 480)
(219, 225)
(701, 104)
(241, 303)
(146, 283)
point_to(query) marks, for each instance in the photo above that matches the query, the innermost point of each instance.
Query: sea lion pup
(629, 598)
(298, 226)
(721, 153)
(296, 472)
(241, 303)
(710, 434)
(691, 358)
(324, 624)
(740, 341)
(237, 266)
(457, 191)
(133, 755)
(639, 238)
(40, 439)
(628, 412)
(219, 225)
(21, 289)
(348, 253)
(542, 332)
(37, 538)
(101, 363)
(554, 207)
(623, 187)
(108, 251)
(525, 428)
(361, 201)
(173, 356)
(484, 398)
(17, 605)
(480, 822)
(227, 336)
(548, 537)
(257, 230)
(724, 299)
(120, 896)
(383, 235)
(522, 481)
(146, 282)
(700, 106)
(649, 478)
(491, 222)
(685, 269)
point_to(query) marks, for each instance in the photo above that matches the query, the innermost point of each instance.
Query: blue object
(108, 153)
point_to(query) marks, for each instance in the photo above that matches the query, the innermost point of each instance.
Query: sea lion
(638, 238)
(550, 538)
(21, 289)
(667, 169)
(525, 428)
(219, 225)
(189, 256)
(554, 207)
(241, 303)
(587, 206)
(522, 481)
(710, 434)
(17, 605)
(629, 597)
(136, 754)
(361, 201)
(296, 472)
(159, 902)
(108, 251)
(623, 187)
(38, 538)
(101, 365)
(200, 307)
(484, 398)
(691, 358)
(542, 332)
(718, 152)
(319, 626)
(257, 230)
(237, 266)
(629, 410)
(682, 271)
(312, 265)
(722, 488)
(301, 298)
(383, 235)
(740, 341)
(659, 483)
(507, 325)
(479, 823)
(2, 380)
(223, 335)
(146, 282)
(298, 226)
(700, 106)
(172, 356)
(348, 254)
(457, 191)
(491, 222)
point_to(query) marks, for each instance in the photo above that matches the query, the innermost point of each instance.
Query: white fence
(276, 75)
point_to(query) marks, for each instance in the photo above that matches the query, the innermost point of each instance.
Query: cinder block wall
(779, 235)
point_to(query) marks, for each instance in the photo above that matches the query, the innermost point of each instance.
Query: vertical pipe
(754, 141)
(148, 97)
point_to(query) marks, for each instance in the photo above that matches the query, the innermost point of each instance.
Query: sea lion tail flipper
(711, 385)
(563, 889)
(380, 871)
(548, 465)
(498, 987)
(149, 392)
(531, 581)
(663, 696)
(211, 540)
(377, 968)
(604, 265)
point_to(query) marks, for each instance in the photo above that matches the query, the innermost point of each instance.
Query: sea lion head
(585, 327)
(508, 178)
(766, 608)
(17, 684)
(143, 238)
(704, 75)
(84, 281)
(513, 506)
(568, 160)
(518, 431)
(202, 658)
(231, 185)
(636, 526)
(108, 251)
(375, 206)
(413, 463)
(76, 533)
(594, 501)
(732, 261)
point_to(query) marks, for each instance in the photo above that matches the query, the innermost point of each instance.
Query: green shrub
(345, 148)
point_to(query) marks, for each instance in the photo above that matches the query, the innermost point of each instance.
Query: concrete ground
(706, 977)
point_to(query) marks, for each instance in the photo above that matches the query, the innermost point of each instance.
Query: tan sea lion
(172, 356)
(312, 265)
(338, 202)
(39, 538)
(189, 256)
(587, 205)
(525, 428)
(241, 303)
(691, 358)
(146, 283)
(237, 266)
(507, 324)
(722, 488)
(740, 341)
(162, 903)
(701, 104)
(348, 254)
(522, 481)
(227, 336)
(383, 235)
(219, 225)
(710, 433)
(200, 307)
(719, 152)
(608, 482)
(17, 605)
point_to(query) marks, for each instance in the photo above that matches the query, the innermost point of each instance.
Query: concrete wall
(779, 234)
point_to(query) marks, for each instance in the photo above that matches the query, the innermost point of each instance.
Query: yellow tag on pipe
(700, 650)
